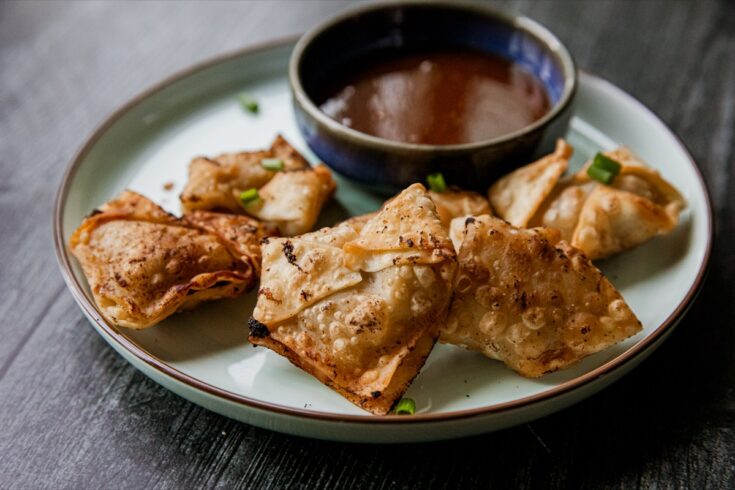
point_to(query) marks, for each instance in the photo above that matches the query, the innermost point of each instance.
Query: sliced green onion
(249, 196)
(603, 169)
(600, 174)
(606, 163)
(273, 164)
(248, 103)
(406, 407)
(436, 182)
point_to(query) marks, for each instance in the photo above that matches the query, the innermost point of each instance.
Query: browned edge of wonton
(455, 203)
(232, 232)
(517, 196)
(381, 402)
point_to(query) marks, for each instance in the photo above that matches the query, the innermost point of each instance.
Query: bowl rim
(520, 22)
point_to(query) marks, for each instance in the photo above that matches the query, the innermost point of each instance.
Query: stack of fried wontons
(601, 220)
(360, 305)
(143, 264)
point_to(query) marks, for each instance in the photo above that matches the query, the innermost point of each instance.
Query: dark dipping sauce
(439, 97)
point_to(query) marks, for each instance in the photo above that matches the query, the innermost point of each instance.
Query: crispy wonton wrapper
(393, 237)
(561, 209)
(143, 264)
(602, 220)
(529, 300)
(455, 203)
(215, 184)
(292, 200)
(364, 327)
(612, 221)
(517, 196)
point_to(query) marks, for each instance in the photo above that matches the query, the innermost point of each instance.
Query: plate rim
(166, 370)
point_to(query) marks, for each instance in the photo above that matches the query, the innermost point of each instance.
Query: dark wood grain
(73, 414)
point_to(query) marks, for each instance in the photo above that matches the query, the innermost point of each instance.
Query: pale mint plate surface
(204, 356)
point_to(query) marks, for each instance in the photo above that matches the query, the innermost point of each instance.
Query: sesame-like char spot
(257, 329)
(269, 295)
(288, 252)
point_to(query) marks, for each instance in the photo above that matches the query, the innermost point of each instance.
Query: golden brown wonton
(601, 220)
(215, 184)
(455, 203)
(358, 305)
(517, 196)
(290, 199)
(143, 264)
(527, 299)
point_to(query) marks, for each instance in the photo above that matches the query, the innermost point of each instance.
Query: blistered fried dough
(563, 206)
(517, 196)
(602, 220)
(365, 333)
(307, 272)
(241, 233)
(216, 184)
(143, 264)
(358, 222)
(612, 220)
(455, 203)
(393, 236)
(638, 178)
(529, 300)
(293, 199)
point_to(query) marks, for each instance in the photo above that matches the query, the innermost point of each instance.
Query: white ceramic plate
(204, 356)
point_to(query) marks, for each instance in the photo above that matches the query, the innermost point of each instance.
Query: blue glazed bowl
(327, 51)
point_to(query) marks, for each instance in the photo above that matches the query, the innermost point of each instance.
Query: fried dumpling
(612, 221)
(455, 203)
(143, 264)
(602, 220)
(293, 199)
(392, 237)
(215, 184)
(517, 196)
(363, 331)
(563, 206)
(639, 179)
(525, 298)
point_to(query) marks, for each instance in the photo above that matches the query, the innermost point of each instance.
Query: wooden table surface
(73, 414)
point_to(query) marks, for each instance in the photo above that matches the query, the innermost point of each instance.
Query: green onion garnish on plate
(272, 164)
(436, 182)
(603, 161)
(406, 406)
(249, 196)
(248, 103)
(603, 169)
